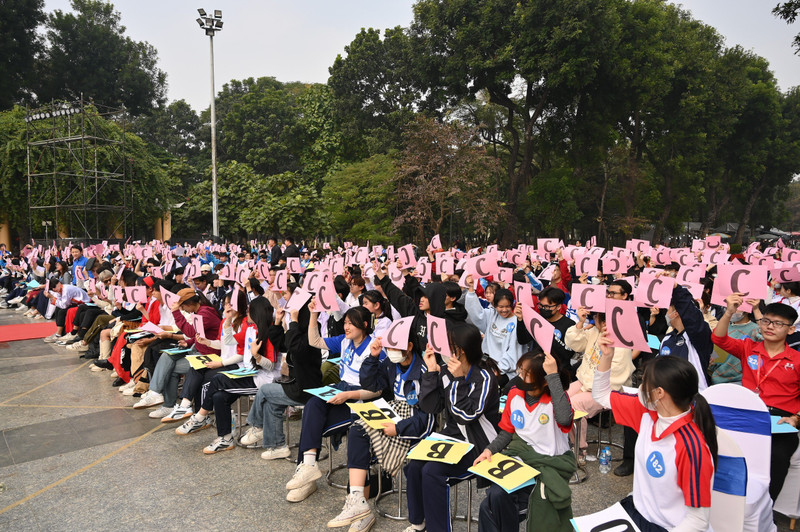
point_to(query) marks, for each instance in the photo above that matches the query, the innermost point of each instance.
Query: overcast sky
(298, 40)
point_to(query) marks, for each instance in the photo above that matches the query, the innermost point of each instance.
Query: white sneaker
(302, 493)
(16, 300)
(67, 338)
(411, 528)
(355, 507)
(219, 445)
(303, 475)
(149, 399)
(279, 452)
(193, 424)
(30, 313)
(52, 338)
(364, 524)
(128, 392)
(160, 412)
(252, 438)
(130, 384)
(97, 368)
(21, 308)
(179, 413)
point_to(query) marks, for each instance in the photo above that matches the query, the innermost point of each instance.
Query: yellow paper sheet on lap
(508, 473)
(449, 452)
(199, 361)
(371, 414)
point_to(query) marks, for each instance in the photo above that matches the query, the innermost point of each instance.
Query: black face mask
(546, 313)
(526, 386)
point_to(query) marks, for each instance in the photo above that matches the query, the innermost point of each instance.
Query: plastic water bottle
(605, 460)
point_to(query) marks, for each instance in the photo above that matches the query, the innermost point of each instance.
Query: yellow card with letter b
(447, 451)
(508, 473)
(199, 361)
(371, 414)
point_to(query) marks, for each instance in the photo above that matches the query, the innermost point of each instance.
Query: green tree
(358, 200)
(173, 128)
(283, 204)
(19, 44)
(88, 53)
(788, 11)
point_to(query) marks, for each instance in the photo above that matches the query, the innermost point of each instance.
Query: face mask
(595, 280)
(669, 321)
(645, 403)
(395, 355)
(546, 312)
(526, 386)
(737, 316)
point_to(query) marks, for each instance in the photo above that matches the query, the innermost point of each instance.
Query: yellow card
(449, 452)
(371, 414)
(508, 473)
(579, 414)
(198, 361)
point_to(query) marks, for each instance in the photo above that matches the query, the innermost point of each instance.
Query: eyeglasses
(777, 324)
(611, 293)
(542, 305)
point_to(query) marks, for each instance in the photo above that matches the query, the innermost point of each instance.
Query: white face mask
(395, 355)
(737, 316)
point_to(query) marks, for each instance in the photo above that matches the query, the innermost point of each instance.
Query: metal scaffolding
(76, 167)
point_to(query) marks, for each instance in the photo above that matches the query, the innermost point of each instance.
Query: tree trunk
(658, 232)
(748, 209)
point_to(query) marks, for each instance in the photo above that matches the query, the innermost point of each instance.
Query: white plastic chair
(742, 415)
(728, 494)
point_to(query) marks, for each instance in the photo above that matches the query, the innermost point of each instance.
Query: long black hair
(678, 377)
(467, 338)
(261, 315)
(376, 298)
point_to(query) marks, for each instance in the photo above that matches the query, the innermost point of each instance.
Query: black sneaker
(118, 382)
(105, 364)
(625, 469)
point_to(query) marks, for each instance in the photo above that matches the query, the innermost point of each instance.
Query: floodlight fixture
(217, 13)
(202, 12)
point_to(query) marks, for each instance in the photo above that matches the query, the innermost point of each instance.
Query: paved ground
(75, 456)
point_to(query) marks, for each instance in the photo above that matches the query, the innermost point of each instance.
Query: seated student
(550, 303)
(470, 399)
(231, 343)
(772, 370)
(378, 306)
(789, 294)
(498, 324)
(535, 423)
(164, 384)
(690, 336)
(728, 368)
(583, 338)
(302, 371)
(454, 311)
(266, 341)
(64, 297)
(319, 415)
(397, 378)
(676, 451)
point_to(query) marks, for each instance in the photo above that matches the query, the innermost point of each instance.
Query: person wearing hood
(431, 301)
(498, 325)
(454, 311)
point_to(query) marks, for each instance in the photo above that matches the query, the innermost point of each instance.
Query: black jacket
(303, 360)
(408, 306)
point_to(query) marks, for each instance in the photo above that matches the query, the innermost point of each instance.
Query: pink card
(691, 274)
(406, 257)
(505, 275)
(713, 241)
(139, 294)
(436, 242)
(445, 263)
(299, 298)
(281, 283)
(151, 327)
(696, 289)
(326, 295)
(293, 265)
(586, 264)
(787, 273)
(613, 265)
(437, 336)
(424, 270)
(662, 257)
(748, 280)
(623, 326)
(312, 280)
(396, 276)
(789, 254)
(156, 271)
(523, 294)
(396, 336)
(482, 266)
(263, 269)
(547, 273)
(547, 245)
(242, 276)
(515, 256)
(654, 292)
(79, 273)
(541, 329)
(762, 260)
(337, 265)
(591, 296)
(362, 256)
(197, 323)
(638, 246)
(235, 298)
(698, 245)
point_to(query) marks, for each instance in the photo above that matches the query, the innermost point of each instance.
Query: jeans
(165, 377)
(267, 412)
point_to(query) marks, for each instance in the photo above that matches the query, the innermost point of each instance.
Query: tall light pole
(211, 25)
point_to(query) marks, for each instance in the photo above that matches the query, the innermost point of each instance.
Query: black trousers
(501, 511)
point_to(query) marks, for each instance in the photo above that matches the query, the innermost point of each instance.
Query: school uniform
(471, 406)
(693, 343)
(396, 383)
(319, 415)
(500, 335)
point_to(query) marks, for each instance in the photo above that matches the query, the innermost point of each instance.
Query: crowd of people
(186, 330)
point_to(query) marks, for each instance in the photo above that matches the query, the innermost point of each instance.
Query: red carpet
(26, 331)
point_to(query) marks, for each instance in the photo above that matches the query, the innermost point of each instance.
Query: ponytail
(704, 420)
